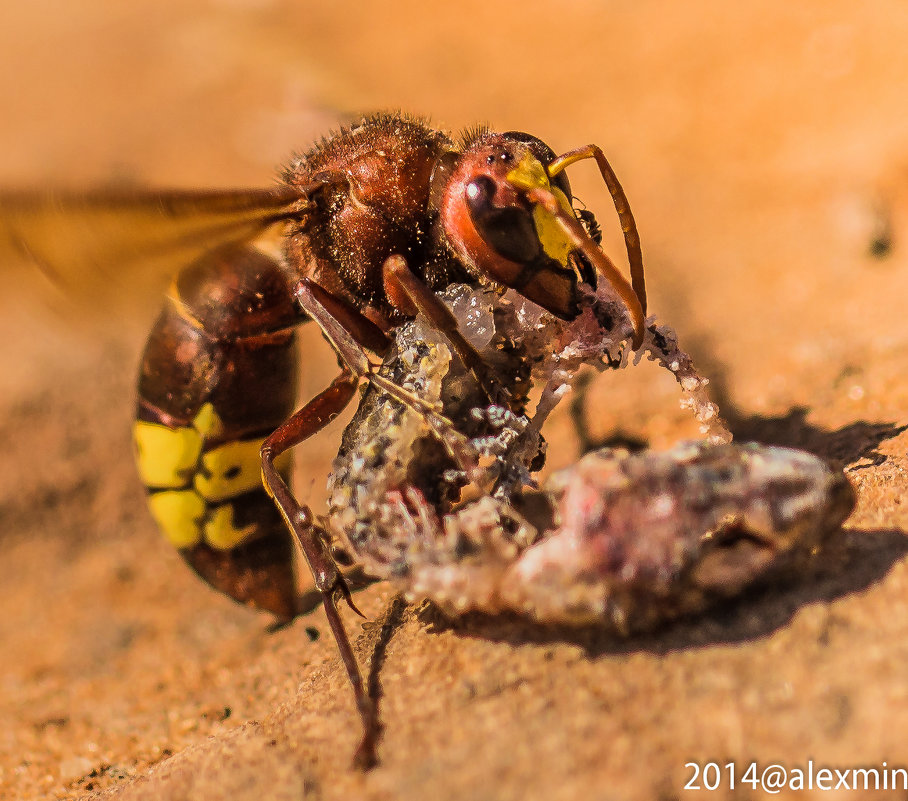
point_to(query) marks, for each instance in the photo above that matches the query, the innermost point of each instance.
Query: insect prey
(619, 540)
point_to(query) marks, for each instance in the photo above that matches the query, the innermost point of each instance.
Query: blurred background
(764, 150)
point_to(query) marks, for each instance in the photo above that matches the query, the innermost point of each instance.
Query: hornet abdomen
(217, 376)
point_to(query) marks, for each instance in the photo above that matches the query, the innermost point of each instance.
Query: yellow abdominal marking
(220, 531)
(165, 456)
(531, 174)
(172, 459)
(173, 295)
(232, 469)
(178, 513)
(207, 422)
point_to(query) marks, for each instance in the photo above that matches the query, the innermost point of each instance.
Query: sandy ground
(764, 147)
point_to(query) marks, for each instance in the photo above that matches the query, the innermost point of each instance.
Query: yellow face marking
(554, 241)
(528, 174)
(531, 174)
(232, 469)
(165, 456)
(178, 514)
(220, 531)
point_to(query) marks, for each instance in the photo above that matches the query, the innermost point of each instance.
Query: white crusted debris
(446, 504)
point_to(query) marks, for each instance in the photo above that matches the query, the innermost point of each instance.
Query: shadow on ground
(856, 441)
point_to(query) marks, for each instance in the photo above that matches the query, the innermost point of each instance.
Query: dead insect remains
(455, 280)
(444, 503)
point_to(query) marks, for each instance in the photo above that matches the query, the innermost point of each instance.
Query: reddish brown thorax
(376, 207)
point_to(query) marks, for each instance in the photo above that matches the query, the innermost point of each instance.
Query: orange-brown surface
(764, 148)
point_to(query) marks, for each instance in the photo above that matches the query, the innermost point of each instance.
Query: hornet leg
(313, 542)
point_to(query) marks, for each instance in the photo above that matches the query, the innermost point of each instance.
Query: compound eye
(480, 191)
(507, 230)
